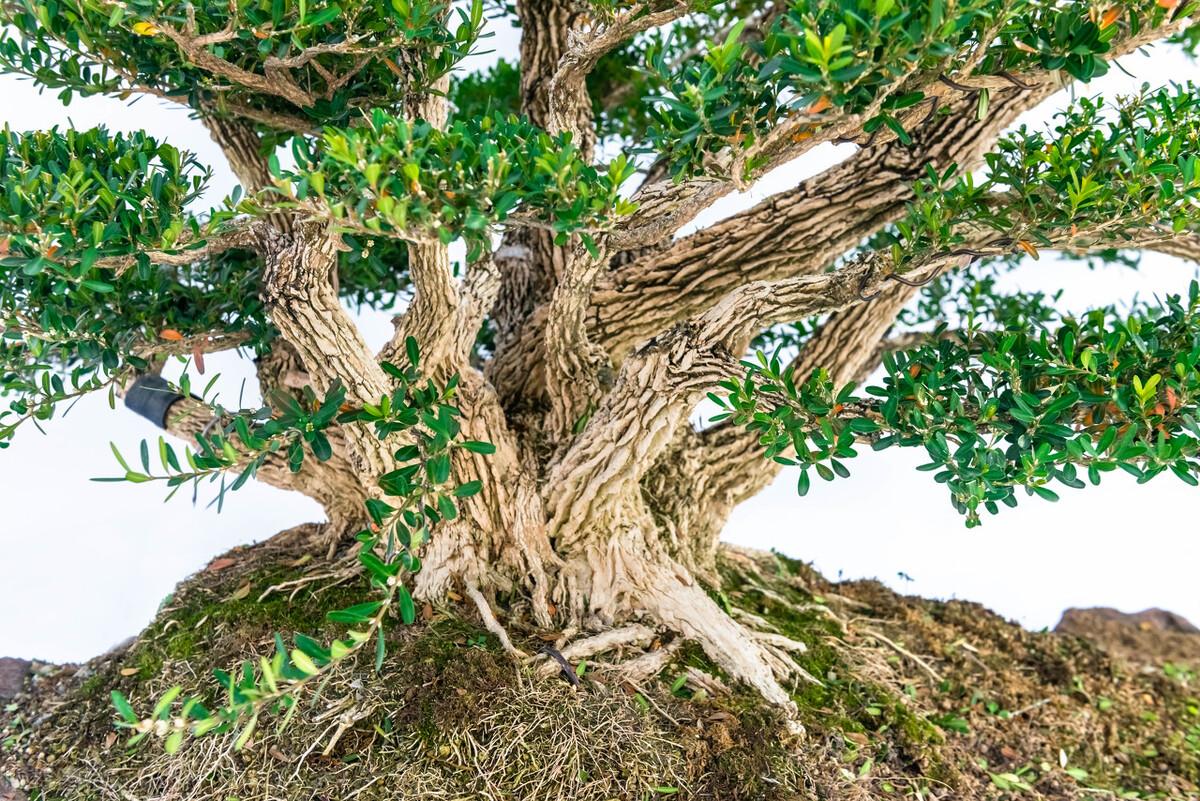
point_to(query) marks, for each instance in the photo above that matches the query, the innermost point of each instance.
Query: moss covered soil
(905, 698)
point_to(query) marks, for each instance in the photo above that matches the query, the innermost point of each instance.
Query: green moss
(94, 684)
(231, 606)
(843, 701)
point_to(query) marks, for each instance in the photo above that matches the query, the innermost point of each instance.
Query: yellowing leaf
(146, 29)
(303, 662)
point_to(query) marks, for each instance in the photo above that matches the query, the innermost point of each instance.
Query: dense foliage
(288, 63)
(997, 410)
(412, 180)
(826, 58)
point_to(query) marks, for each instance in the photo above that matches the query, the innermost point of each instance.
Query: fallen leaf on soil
(220, 564)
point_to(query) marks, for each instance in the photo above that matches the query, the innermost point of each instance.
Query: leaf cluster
(1002, 410)
(68, 199)
(826, 59)
(1093, 180)
(392, 177)
(274, 60)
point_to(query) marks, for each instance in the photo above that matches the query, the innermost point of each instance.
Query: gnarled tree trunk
(602, 504)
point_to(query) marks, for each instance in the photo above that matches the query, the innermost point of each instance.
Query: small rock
(12, 681)
(7, 791)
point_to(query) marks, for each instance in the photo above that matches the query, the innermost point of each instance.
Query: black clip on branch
(151, 397)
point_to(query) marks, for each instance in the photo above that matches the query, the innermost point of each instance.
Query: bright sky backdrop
(84, 565)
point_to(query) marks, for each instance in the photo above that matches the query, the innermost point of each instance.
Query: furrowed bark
(243, 150)
(553, 95)
(304, 307)
(430, 315)
(794, 233)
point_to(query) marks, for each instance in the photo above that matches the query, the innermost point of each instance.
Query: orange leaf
(1110, 16)
(1168, 4)
(822, 103)
(171, 335)
(1028, 247)
(1172, 399)
(915, 370)
(198, 358)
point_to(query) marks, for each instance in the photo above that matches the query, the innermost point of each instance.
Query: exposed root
(491, 623)
(635, 635)
(700, 681)
(642, 668)
(349, 570)
(779, 641)
(784, 667)
(679, 603)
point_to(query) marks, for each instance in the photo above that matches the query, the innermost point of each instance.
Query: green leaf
(304, 662)
(404, 604)
(124, 708)
(359, 613)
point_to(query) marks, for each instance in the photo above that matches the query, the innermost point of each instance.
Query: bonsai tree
(525, 438)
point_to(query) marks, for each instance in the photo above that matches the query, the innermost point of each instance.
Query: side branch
(304, 307)
(587, 47)
(794, 233)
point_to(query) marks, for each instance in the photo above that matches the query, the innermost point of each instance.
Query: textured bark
(794, 233)
(304, 307)
(243, 150)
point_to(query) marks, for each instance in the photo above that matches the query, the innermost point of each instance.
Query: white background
(84, 565)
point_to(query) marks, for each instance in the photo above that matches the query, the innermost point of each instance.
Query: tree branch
(234, 236)
(665, 205)
(586, 47)
(304, 306)
(793, 233)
